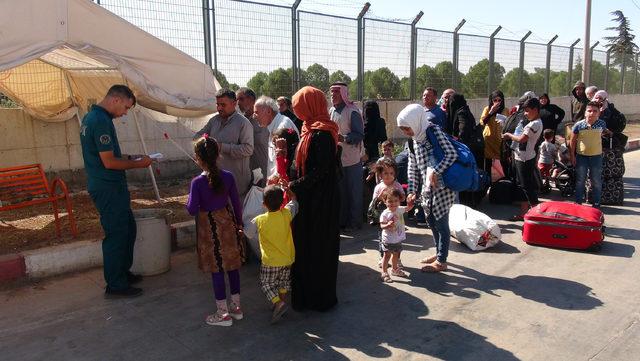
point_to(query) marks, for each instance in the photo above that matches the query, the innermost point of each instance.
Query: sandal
(434, 267)
(386, 278)
(429, 259)
(399, 273)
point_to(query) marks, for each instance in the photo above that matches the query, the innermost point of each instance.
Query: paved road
(512, 302)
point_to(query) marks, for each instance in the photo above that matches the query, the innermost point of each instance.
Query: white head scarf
(604, 96)
(414, 117)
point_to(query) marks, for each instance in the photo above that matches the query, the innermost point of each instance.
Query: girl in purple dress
(214, 201)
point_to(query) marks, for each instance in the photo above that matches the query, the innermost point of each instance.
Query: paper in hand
(156, 156)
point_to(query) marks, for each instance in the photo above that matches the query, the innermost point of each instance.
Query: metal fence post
(213, 37)
(547, 70)
(414, 56)
(206, 22)
(492, 53)
(295, 71)
(521, 62)
(360, 76)
(591, 61)
(606, 70)
(570, 70)
(635, 73)
(456, 39)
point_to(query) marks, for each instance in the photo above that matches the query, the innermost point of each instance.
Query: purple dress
(219, 246)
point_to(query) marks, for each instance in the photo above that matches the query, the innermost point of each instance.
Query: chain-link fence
(276, 49)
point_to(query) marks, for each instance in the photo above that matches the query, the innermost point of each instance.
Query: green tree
(558, 84)
(221, 78)
(318, 76)
(475, 82)
(509, 84)
(6, 102)
(381, 84)
(278, 83)
(621, 45)
(257, 82)
(425, 75)
(339, 75)
(405, 88)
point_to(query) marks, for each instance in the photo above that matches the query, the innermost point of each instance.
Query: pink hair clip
(290, 131)
(205, 135)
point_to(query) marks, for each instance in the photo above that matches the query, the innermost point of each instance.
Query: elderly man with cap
(265, 112)
(351, 125)
(259, 159)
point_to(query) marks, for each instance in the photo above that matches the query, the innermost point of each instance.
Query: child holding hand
(393, 232)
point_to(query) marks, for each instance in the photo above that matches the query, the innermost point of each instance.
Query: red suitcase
(564, 225)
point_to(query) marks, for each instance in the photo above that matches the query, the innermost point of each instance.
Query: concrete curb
(76, 256)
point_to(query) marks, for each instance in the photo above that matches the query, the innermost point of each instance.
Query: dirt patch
(34, 226)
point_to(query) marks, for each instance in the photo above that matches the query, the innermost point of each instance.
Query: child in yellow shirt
(276, 247)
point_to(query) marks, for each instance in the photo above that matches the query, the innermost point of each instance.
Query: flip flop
(434, 267)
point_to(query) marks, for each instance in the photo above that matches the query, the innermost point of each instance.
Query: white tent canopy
(57, 57)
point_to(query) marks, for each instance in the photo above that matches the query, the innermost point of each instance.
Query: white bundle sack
(251, 208)
(472, 228)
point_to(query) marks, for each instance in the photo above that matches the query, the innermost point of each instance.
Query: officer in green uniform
(105, 166)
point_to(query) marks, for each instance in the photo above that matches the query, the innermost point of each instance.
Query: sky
(254, 38)
(545, 18)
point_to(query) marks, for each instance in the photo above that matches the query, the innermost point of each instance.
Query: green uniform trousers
(114, 206)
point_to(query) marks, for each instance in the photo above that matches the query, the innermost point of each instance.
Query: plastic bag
(472, 228)
(251, 208)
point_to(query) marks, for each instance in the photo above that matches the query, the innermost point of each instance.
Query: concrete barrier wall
(56, 145)
(25, 140)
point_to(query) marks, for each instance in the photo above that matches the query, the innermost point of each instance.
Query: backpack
(463, 174)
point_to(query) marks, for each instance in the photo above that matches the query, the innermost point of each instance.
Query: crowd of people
(323, 173)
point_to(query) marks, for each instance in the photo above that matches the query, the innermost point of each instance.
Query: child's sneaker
(278, 310)
(235, 312)
(219, 319)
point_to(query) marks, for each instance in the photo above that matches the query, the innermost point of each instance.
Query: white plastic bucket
(152, 250)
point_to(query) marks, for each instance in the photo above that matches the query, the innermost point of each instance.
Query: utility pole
(586, 59)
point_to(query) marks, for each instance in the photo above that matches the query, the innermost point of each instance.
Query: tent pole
(144, 149)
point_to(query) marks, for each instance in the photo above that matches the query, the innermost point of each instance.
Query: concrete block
(61, 259)
(75, 156)
(53, 157)
(16, 130)
(185, 233)
(15, 157)
(48, 134)
(73, 131)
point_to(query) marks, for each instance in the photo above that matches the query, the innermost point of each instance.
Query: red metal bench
(27, 185)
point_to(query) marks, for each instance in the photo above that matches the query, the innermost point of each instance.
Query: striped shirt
(439, 200)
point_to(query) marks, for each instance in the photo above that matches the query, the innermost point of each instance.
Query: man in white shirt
(265, 111)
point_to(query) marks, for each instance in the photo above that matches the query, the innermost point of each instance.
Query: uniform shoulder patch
(105, 139)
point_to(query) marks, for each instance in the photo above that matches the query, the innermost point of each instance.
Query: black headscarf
(374, 129)
(456, 102)
(371, 110)
(497, 94)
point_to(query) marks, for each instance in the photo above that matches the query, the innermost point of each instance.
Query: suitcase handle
(564, 215)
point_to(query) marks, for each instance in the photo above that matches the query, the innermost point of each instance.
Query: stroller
(564, 178)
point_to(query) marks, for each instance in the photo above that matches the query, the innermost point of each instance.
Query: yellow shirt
(274, 234)
(492, 134)
(589, 141)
